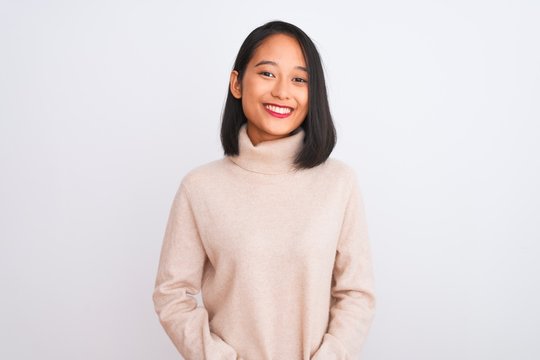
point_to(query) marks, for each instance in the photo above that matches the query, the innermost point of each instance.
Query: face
(274, 89)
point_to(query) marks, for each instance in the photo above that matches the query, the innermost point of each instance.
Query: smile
(278, 111)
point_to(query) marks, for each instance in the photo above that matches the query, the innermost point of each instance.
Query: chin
(279, 127)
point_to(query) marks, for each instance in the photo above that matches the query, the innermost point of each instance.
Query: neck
(270, 156)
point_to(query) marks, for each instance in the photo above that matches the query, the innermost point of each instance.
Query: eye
(266, 73)
(300, 80)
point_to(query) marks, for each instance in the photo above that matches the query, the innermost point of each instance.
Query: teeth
(279, 110)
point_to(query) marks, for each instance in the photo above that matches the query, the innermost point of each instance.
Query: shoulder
(206, 173)
(347, 174)
(340, 168)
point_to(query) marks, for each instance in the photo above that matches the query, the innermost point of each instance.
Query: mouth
(278, 111)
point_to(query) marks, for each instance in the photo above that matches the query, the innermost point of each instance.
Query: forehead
(283, 49)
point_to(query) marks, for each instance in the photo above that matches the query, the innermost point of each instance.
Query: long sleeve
(179, 277)
(353, 299)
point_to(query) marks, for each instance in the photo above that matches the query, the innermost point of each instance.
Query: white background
(105, 105)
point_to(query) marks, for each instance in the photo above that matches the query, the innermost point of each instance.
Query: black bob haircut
(320, 133)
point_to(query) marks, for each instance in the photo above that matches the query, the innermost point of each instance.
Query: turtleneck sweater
(281, 258)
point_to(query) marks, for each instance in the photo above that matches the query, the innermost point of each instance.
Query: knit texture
(282, 259)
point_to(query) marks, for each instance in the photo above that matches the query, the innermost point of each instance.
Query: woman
(274, 233)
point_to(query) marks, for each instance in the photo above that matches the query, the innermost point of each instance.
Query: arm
(353, 299)
(179, 278)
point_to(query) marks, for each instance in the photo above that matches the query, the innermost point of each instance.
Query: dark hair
(320, 133)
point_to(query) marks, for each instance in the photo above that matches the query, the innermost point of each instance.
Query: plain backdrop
(105, 105)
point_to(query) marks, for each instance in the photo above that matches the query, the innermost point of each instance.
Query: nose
(281, 89)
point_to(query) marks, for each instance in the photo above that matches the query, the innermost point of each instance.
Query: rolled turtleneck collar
(270, 156)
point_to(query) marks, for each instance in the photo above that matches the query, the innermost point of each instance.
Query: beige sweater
(282, 259)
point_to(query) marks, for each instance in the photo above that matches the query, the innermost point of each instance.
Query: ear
(235, 87)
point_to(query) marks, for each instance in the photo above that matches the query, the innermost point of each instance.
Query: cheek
(249, 107)
(253, 87)
(303, 98)
(250, 97)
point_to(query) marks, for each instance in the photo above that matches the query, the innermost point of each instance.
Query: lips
(278, 111)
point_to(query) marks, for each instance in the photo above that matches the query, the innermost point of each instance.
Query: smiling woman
(274, 234)
(273, 91)
(284, 56)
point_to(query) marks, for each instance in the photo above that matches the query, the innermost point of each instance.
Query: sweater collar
(271, 156)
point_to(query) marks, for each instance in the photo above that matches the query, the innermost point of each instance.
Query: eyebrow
(269, 62)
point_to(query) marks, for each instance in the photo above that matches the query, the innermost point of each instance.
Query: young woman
(274, 233)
